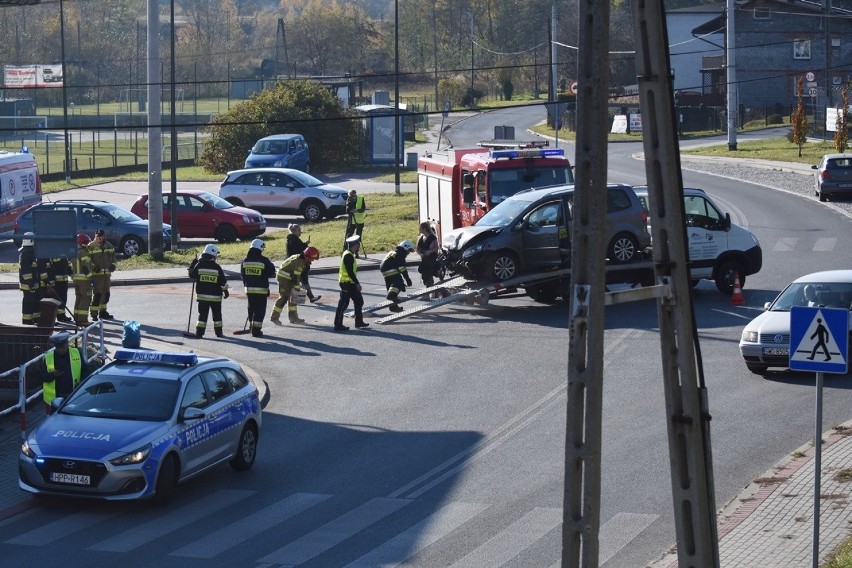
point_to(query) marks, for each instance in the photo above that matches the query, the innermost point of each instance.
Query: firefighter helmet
(258, 244)
(407, 246)
(83, 239)
(28, 240)
(311, 253)
(212, 250)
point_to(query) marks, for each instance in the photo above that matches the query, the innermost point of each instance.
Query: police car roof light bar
(139, 355)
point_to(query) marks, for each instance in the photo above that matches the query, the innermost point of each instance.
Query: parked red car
(205, 215)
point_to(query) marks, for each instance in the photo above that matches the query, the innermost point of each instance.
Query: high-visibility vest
(360, 213)
(343, 276)
(76, 368)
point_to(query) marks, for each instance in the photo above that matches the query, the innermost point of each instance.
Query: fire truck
(456, 188)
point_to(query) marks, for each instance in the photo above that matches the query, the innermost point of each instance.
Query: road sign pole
(817, 465)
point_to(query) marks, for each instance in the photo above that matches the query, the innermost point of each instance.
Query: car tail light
(644, 216)
(825, 175)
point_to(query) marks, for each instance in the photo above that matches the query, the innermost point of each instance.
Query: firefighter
(63, 369)
(289, 281)
(256, 270)
(295, 245)
(102, 258)
(350, 288)
(81, 274)
(32, 280)
(394, 271)
(58, 271)
(211, 285)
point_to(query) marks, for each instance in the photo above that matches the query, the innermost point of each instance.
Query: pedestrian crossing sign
(819, 339)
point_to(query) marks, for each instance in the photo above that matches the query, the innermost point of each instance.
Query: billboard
(32, 76)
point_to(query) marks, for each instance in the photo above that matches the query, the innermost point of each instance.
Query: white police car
(141, 425)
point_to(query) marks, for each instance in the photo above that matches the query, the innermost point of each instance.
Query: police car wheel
(246, 450)
(166, 481)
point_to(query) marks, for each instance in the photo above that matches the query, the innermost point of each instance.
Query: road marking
(411, 541)
(825, 244)
(240, 531)
(335, 532)
(56, 530)
(786, 244)
(617, 533)
(513, 540)
(166, 524)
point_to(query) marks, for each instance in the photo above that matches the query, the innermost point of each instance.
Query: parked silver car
(833, 176)
(283, 190)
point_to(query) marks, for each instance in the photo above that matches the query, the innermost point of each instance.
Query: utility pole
(553, 67)
(731, 77)
(471, 57)
(155, 140)
(64, 94)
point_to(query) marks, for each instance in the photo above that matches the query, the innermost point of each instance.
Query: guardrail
(84, 335)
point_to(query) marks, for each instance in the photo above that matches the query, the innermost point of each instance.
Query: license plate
(70, 478)
(844, 185)
(776, 351)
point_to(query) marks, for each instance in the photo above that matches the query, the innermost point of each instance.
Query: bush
(303, 107)
(775, 119)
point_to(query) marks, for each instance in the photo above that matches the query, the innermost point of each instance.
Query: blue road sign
(819, 339)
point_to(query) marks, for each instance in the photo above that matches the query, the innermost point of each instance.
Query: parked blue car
(280, 151)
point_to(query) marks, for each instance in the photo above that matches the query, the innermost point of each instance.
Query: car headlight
(750, 336)
(246, 219)
(27, 451)
(332, 195)
(475, 249)
(136, 456)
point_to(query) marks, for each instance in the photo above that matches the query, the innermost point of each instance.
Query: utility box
(19, 344)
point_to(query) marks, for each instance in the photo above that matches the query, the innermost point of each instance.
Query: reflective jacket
(291, 269)
(357, 208)
(102, 258)
(210, 279)
(50, 364)
(394, 264)
(256, 270)
(81, 268)
(32, 272)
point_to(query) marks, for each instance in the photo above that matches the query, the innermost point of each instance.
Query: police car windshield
(124, 397)
(504, 213)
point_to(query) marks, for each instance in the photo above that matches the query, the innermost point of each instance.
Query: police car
(141, 425)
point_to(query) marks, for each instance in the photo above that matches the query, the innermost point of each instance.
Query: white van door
(706, 234)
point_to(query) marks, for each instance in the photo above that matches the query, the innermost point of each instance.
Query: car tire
(132, 245)
(500, 266)
(246, 449)
(757, 369)
(546, 293)
(725, 276)
(235, 201)
(822, 196)
(225, 233)
(313, 211)
(623, 248)
(166, 481)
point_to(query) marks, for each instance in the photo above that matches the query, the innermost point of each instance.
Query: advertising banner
(32, 76)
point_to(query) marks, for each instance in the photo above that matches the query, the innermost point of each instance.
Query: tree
(305, 107)
(841, 130)
(799, 119)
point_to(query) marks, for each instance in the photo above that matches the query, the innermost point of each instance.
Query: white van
(718, 249)
(20, 186)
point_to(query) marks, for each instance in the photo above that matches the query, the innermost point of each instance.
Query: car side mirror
(192, 413)
(291, 186)
(726, 222)
(814, 167)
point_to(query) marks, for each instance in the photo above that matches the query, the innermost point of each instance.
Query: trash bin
(411, 160)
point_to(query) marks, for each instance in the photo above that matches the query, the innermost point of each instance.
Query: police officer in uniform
(102, 257)
(81, 274)
(256, 270)
(394, 271)
(63, 369)
(211, 285)
(32, 280)
(290, 279)
(350, 288)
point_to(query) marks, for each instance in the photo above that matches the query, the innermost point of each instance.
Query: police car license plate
(70, 478)
(776, 351)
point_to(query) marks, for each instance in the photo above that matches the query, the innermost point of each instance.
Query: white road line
(166, 524)
(411, 541)
(617, 532)
(335, 532)
(240, 531)
(825, 244)
(58, 529)
(513, 540)
(785, 244)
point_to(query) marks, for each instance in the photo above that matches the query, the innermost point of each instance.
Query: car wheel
(166, 481)
(235, 201)
(623, 248)
(246, 449)
(545, 293)
(313, 211)
(132, 246)
(225, 233)
(725, 276)
(756, 369)
(500, 266)
(822, 196)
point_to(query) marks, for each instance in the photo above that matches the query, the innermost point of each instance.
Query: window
(617, 200)
(545, 216)
(237, 380)
(195, 396)
(217, 385)
(801, 49)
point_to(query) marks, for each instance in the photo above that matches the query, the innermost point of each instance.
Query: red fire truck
(455, 189)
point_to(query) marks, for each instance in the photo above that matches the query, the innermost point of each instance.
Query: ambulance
(20, 186)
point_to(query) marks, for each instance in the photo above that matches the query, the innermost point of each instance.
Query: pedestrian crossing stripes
(419, 531)
(793, 244)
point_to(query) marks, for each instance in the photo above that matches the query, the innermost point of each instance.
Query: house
(776, 42)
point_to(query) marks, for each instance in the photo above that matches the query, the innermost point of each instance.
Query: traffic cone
(737, 297)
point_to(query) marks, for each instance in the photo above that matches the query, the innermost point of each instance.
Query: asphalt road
(438, 440)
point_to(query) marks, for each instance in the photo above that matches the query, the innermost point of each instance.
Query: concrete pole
(155, 140)
(731, 67)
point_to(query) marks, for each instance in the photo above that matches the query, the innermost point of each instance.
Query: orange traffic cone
(737, 297)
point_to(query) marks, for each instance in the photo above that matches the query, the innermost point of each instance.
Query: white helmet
(28, 240)
(212, 250)
(258, 244)
(406, 245)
